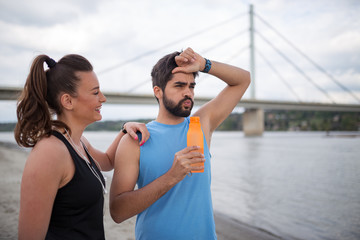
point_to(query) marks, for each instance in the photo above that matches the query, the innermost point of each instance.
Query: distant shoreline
(274, 120)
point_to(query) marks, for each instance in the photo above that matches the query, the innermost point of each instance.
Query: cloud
(44, 13)
(110, 33)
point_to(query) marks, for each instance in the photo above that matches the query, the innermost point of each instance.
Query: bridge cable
(227, 60)
(169, 44)
(222, 42)
(279, 75)
(216, 45)
(138, 85)
(309, 59)
(235, 55)
(296, 67)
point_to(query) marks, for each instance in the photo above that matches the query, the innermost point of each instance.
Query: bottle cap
(194, 119)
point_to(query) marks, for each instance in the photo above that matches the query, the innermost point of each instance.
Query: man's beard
(177, 110)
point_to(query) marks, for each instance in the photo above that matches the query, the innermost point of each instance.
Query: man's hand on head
(189, 61)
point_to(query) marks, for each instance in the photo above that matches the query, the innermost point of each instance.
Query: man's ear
(158, 92)
(66, 101)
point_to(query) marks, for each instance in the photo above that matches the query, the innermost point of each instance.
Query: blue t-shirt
(185, 211)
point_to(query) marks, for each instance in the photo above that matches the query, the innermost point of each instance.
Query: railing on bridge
(146, 99)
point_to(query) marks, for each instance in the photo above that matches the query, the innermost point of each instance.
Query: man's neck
(168, 118)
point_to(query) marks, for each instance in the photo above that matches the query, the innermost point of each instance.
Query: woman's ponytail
(34, 118)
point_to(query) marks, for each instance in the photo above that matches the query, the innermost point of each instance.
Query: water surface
(297, 185)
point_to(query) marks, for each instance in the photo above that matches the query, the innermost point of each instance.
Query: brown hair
(40, 98)
(161, 73)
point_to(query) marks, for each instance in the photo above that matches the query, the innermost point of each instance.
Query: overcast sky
(123, 39)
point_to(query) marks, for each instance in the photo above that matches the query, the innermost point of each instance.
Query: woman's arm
(106, 159)
(44, 173)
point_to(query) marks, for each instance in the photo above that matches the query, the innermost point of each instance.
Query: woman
(62, 188)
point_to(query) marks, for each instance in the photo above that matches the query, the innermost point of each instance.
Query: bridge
(12, 93)
(253, 118)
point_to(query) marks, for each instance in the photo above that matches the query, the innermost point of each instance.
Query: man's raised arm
(213, 113)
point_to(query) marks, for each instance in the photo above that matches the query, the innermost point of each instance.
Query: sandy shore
(12, 160)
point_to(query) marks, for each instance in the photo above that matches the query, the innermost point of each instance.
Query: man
(171, 201)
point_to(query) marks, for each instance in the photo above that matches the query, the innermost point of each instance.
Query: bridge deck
(140, 99)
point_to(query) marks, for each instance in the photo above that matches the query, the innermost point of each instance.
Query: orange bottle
(195, 138)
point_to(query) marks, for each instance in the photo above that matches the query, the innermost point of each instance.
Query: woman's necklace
(92, 169)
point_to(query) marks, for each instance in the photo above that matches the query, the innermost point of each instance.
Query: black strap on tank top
(74, 152)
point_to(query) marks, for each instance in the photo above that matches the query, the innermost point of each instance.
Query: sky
(123, 39)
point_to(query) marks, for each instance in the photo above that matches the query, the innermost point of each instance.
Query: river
(296, 185)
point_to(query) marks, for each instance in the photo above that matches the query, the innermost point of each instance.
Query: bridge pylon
(253, 122)
(253, 118)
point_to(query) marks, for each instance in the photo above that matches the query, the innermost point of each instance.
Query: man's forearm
(231, 75)
(129, 204)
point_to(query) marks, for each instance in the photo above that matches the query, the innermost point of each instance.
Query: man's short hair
(161, 72)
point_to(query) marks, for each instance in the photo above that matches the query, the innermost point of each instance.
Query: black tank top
(78, 207)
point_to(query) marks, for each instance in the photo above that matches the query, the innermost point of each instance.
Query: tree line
(275, 120)
(285, 120)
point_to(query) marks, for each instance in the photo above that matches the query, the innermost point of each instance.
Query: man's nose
(187, 92)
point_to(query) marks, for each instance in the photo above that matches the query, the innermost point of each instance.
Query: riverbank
(12, 161)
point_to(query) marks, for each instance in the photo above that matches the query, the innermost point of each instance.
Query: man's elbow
(247, 78)
(115, 214)
(243, 79)
(116, 218)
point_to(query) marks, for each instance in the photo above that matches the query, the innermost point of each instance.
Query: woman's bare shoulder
(49, 148)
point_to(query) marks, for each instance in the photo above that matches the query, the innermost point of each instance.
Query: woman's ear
(66, 101)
